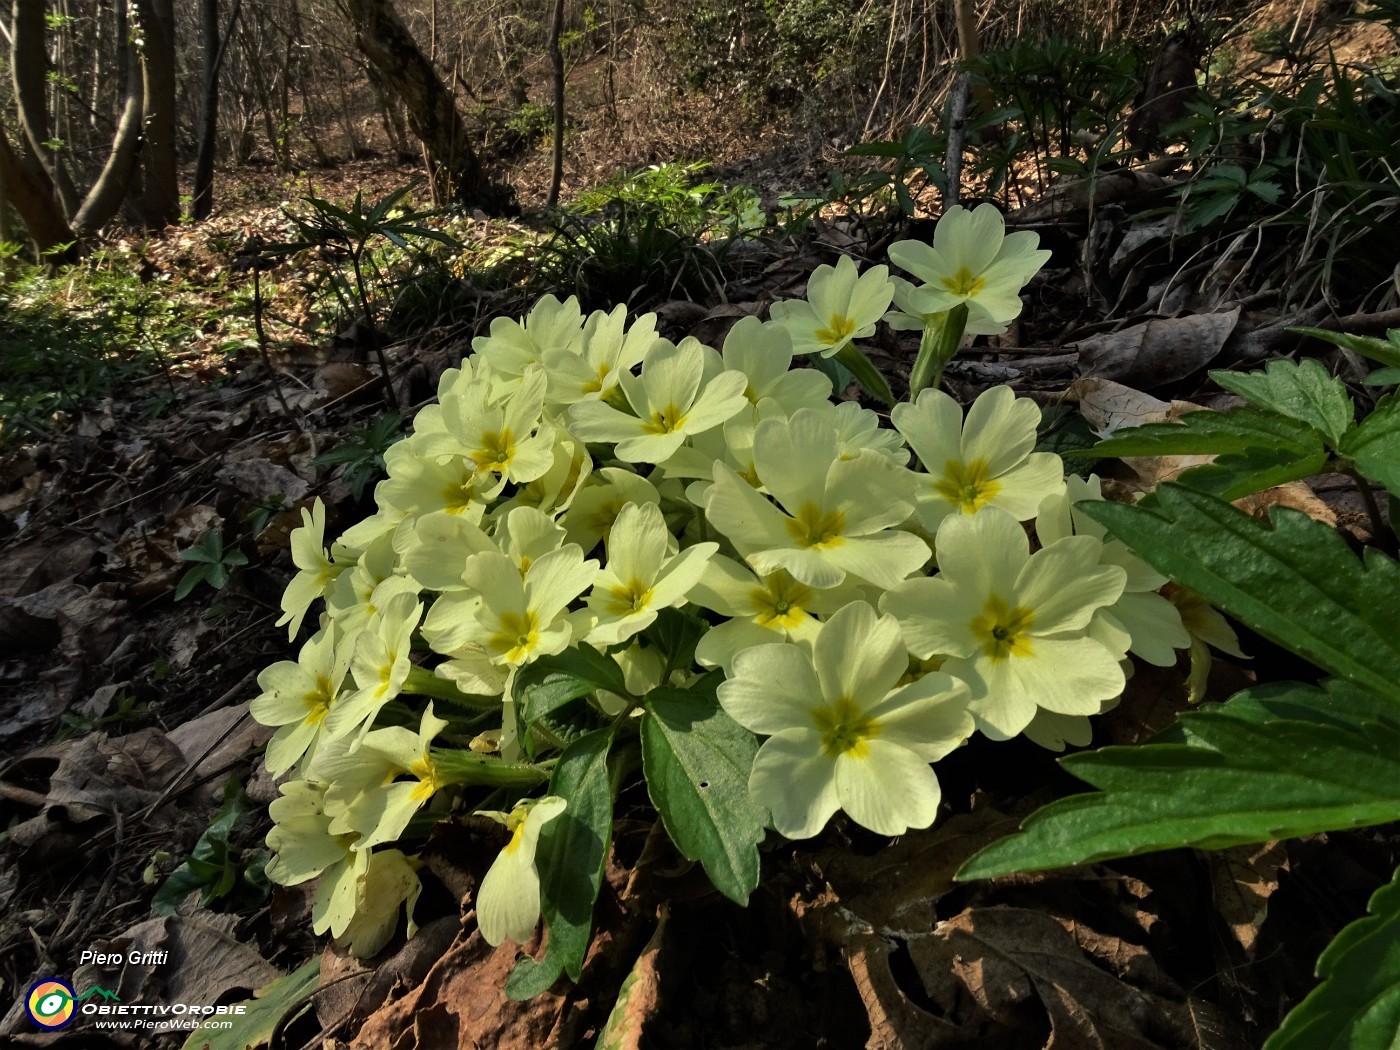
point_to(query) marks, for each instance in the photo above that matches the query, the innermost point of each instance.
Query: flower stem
(465, 767)
(936, 349)
(866, 373)
(422, 682)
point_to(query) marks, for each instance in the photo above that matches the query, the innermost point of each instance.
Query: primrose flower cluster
(870, 597)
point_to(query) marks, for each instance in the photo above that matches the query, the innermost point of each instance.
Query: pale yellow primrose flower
(419, 483)
(508, 900)
(974, 261)
(366, 796)
(380, 666)
(554, 490)
(514, 346)
(502, 436)
(840, 734)
(590, 517)
(834, 516)
(1013, 625)
(840, 307)
(365, 589)
(643, 574)
(298, 695)
(764, 610)
(590, 368)
(763, 352)
(317, 572)
(986, 461)
(909, 315)
(300, 839)
(521, 619)
(859, 429)
(1152, 623)
(388, 879)
(671, 401)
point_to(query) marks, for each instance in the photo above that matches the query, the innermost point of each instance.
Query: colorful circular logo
(50, 1003)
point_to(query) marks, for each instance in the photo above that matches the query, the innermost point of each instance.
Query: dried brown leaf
(1158, 351)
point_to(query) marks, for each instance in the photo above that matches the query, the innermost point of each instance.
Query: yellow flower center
(496, 451)
(458, 495)
(633, 598)
(517, 637)
(966, 485)
(426, 773)
(964, 282)
(318, 701)
(1002, 631)
(845, 729)
(667, 421)
(595, 385)
(516, 824)
(782, 604)
(814, 528)
(837, 331)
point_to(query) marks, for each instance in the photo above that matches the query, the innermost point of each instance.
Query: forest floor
(125, 734)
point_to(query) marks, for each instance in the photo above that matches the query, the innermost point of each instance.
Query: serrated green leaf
(1384, 351)
(1357, 1005)
(1255, 449)
(1299, 390)
(1242, 474)
(1334, 702)
(697, 762)
(1291, 579)
(1374, 446)
(256, 1027)
(1205, 433)
(1235, 781)
(553, 681)
(571, 855)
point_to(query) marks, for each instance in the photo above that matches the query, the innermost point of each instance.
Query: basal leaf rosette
(841, 735)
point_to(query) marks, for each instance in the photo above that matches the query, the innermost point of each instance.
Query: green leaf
(1383, 377)
(1291, 579)
(697, 762)
(1384, 351)
(553, 681)
(1235, 781)
(212, 866)
(1374, 446)
(1255, 449)
(189, 582)
(676, 633)
(866, 373)
(1357, 1005)
(1302, 391)
(271, 1004)
(572, 852)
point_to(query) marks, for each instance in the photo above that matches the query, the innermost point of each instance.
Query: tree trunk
(215, 47)
(31, 193)
(29, 69)
(556, 57)
(114, 182)
(160, 197)
(455, 173)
